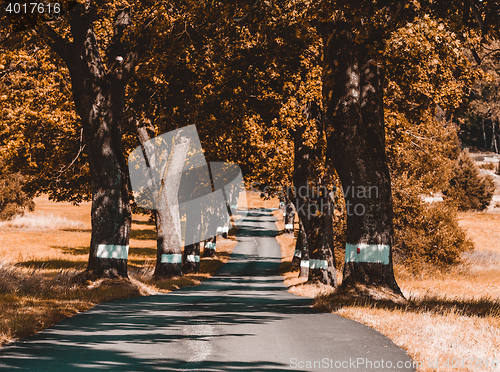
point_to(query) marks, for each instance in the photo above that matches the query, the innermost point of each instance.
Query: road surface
(241, 319)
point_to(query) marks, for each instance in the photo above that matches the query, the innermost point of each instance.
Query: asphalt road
(241, 319)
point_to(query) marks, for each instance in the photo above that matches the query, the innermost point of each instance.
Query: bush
(13, 200)
(488, 166)
(425, 235)
(467, 188)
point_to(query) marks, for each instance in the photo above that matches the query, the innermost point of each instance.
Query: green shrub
(467, 188)
(426, 235)
(13, 200)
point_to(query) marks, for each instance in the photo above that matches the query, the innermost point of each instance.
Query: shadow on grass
(143, 234)
(147, 223)
(77, 251)
(149, 252)
(53, 264)
(482, 307)
(78, 230)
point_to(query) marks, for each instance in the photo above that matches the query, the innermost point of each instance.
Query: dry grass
(449, 315)
(42, 258)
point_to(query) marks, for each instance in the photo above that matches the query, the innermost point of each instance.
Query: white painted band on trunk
(209, 245)
(119, 252)
(171, 258)
(192, 258)
(222, 230)
(304, 263)
(289, 226)
(372, 253)
(318, 264)
(297, 253)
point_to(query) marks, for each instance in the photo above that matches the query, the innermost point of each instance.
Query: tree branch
(245, 17)
(59, 45)
(478, 17)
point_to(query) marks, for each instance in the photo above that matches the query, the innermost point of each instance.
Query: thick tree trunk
(353, 99)
(110, 215)
(313, 208)
(99, 95)
(209, 247)
(321, 260)
(191, 258)
(169, 250)
(100, 99)
(169, 240)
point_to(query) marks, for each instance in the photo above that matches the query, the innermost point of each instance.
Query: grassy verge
(452, 320)
(42, 258)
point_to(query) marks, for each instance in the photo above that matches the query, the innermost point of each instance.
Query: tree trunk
(484, 135)
(494, 146)
(191, 258)
(300, 246)
(289, 216)
(304, 253)
(353, 99)
(209, 247)
(321, 260)
(99, 95)
(192, 239)
(169, 240)
(100, 99)
(313, 208)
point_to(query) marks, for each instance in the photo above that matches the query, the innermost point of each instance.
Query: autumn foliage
(13, 200)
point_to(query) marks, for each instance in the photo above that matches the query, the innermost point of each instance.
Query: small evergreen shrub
(426, 235)
(13, 200)
(467, 188)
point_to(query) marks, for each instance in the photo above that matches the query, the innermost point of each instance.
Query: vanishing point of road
(243, 318)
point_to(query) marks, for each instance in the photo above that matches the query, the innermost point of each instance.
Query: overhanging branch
(59, 45)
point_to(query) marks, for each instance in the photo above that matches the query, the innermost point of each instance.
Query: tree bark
(289, 219)
(191, 257)
(353, 101)
(300, 246)
(313, 207)
(169, 240)
(304, 256)
(209, 247)
(99, 95)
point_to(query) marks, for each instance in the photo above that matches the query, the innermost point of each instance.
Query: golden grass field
(42, 254)
(452, 321)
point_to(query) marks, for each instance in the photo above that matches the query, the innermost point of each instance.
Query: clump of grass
(40, 222)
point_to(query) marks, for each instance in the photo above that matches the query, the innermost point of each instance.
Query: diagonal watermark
(170, 173)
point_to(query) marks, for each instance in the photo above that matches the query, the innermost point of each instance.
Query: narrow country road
(241, 319)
